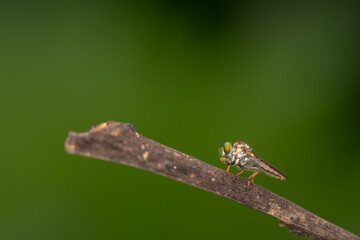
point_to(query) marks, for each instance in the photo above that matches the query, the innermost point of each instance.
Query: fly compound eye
(227, 147)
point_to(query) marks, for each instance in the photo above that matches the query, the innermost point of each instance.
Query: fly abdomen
(268, 169)
(275, 174)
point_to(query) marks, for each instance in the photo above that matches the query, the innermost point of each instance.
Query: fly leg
(225, 160)
(228, 167)
(240, 173)
(222, 159)
(251, 178)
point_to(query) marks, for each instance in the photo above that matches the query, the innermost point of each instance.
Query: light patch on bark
(145, 155)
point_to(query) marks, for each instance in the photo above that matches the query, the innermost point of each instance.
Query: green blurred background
(282, 76)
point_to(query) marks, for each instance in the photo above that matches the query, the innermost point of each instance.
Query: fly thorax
(243, 162)
(240, 154)
(235, 159)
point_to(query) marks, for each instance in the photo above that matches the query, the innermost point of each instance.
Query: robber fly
(240, 154)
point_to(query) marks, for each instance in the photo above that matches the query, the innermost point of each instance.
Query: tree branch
(119, 142)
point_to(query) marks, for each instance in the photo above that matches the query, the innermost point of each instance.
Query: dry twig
(119, 142)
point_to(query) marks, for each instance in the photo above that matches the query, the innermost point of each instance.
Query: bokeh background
(282, 76)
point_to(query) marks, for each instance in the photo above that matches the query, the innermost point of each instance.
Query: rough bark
(119, 142)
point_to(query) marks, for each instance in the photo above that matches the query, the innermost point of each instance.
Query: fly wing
(267, 168)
